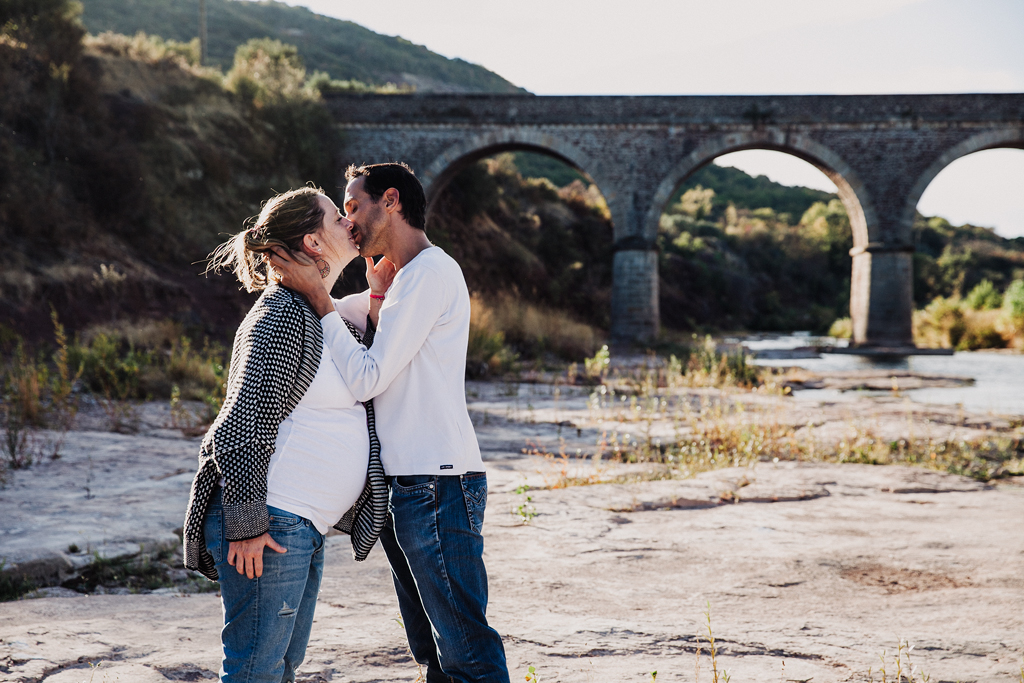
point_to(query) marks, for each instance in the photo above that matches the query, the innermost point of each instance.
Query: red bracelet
(379, 297)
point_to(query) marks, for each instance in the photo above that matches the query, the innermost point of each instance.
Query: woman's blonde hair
(285, 219)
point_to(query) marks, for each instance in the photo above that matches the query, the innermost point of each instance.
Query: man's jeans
(433, 542)
(267, 620)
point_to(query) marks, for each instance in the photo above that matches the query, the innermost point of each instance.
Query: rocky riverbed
(811, 570)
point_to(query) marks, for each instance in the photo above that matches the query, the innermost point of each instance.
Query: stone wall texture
(882, 151)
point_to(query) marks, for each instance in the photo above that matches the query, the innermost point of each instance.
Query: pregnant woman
(292, 453)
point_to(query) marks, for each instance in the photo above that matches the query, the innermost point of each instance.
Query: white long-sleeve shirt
(416, 369)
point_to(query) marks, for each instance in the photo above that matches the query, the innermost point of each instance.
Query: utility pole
(202, 32)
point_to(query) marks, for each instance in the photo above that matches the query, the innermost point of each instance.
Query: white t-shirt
(416, 369)
(319, 464)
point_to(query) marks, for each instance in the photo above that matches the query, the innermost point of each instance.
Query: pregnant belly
(319, 466)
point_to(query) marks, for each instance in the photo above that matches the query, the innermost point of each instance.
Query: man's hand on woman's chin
(380, 275)
(303, 279)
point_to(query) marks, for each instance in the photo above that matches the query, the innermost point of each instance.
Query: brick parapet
(480, 109)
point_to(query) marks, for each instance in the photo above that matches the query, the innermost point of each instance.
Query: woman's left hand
(247, 556)
(380, 275)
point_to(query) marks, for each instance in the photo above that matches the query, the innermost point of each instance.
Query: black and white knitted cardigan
(274, 358)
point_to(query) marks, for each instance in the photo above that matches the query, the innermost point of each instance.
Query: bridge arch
(852, 191)
(445, 167)
(1011, 138)
(439, 173)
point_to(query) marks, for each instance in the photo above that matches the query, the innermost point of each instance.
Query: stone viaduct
(881, 151)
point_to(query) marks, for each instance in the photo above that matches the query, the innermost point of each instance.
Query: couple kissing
(347, 413)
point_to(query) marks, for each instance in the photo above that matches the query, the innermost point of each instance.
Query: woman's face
(336, 234)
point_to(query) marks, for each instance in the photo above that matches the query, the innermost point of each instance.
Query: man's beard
(371, 234)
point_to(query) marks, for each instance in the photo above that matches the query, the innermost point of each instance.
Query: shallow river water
(998, 377)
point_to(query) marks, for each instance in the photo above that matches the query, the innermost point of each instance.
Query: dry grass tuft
(687, 432)
(505, 328)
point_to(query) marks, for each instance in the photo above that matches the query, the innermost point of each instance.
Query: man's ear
(392, 202)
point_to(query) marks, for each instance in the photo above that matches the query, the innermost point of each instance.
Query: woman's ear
(311, 245)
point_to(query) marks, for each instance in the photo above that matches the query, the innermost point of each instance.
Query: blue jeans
(435, 548)
(267, 619)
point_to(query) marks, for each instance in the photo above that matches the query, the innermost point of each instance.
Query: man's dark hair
(380, 177)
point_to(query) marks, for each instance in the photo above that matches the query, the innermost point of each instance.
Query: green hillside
(733, 186)
(341, 48)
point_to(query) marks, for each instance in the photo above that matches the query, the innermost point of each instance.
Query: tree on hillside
(266, 72)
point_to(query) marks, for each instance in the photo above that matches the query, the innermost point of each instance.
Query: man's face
(369, 220)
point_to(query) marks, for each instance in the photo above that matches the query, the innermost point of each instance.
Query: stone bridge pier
(880, 151)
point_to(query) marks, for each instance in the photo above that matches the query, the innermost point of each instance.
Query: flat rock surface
(108, 493)
(810, 570)
(874, 380)
(823, 566)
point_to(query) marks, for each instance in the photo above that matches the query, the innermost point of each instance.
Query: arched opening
(758, 239)
(442, 172)
(968, 232)
(534, 237)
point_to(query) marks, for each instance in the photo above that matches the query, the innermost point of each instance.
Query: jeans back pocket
(474, 491)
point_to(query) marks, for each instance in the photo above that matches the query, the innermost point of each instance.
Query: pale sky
(685, 47)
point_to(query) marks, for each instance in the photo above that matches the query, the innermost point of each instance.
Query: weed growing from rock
(713, 650)
(525, 511)
(34, 395)
(906, 670)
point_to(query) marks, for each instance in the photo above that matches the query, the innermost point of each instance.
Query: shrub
(267, 72)
(486, 353)
(955, 323)
(980, 336)
(146, 48)
(535, 330)
(146, 359)
(984, 296)
(940, 324)
(19, 400)
(1013, 304)
(597, 367)
(842, 328)
(111, 368)
(505, 328)
(695, 202)
(322, 84)
(710, 367)
(49, 28)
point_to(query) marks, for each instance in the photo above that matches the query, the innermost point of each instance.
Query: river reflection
(998, 377)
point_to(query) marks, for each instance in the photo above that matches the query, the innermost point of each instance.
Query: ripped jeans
(267, 620)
